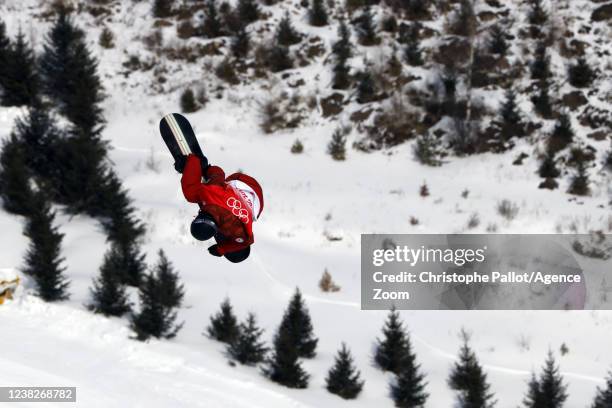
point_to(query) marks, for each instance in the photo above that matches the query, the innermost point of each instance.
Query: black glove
(179, 164)
(214, 250)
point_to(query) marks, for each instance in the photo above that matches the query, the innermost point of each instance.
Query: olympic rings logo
(237, 209)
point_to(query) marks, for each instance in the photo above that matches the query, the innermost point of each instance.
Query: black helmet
(203, 227)
(238, 256)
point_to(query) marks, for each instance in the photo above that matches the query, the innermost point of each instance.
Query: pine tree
(247, 347)
(342, 50)
(603, 399)
(366, 88)
(297, 323)
(343, 378)
(468, 378)
(581, 75)
(317, 15)
(283, 366)
(43, 261)
(510, 116)
(15, 189)
(188, 101)
(366, 28)
(562, 135)
(286, 35)
(541, 100)
(248, 11)
(548, 167)
(5, 51)
(159, 294)
(498, 43)
(540, 67)
(394, 347)
(412, 51)
(224, 326)
(426, 150)
(70, 78)
(548, 391)
(408, 390)
(108, 293)
(337, 146)
(279, 58)
(212, 23)
(241, 43)
(21, 84)
(162, 8)
(580, 181)
(537, 14)
(38, 133)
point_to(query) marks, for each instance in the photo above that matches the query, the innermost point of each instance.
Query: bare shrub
(507, 209)
(107, 38)
(414, 221)
(327, 284)
(424, 190)
(282, 111)
(473, 221)
(297, 147)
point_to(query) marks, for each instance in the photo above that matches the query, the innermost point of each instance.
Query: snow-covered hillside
(309, 198)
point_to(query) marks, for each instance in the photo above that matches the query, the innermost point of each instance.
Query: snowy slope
(63, 344)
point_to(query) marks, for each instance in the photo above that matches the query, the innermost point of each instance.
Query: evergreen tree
(510, 116)
(43, 261)
(38, 133)
(412, 51)
(540, 67)
(337, 146)
(464, 22)
(108, 293)
(541, 101)
(5, 55)
(15, 189)
(188, 101)
(20, 83)
(248, 11)
(366, 88)
(548, 391)
(70, 78)
(581, 75)
(279, 58)
(162, 8)
(297, 324)
(286, 34)
(537, 14)
(580, 181)
(247, 347)
(317, 15)
(342, 50)
(426, 150)
(366, 28)
(603, 399)
(468, 378)
(241, 43)
(159, 294)
(212, 23)
(562, 135)
(283, 366)
(394, 347)
(548, 166)
(343, 378)
(223, 326)
(498, 43)
(408, 391)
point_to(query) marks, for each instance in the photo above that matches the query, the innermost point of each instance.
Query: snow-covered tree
(342, 50)
(547, 391)
(581, 75)
(408, 388)
(283, 366)
(286, 34)
(343, 378)
(336, 148)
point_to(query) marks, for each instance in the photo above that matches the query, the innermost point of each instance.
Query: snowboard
(178, 135)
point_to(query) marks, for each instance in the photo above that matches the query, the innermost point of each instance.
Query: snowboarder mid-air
(228, 206)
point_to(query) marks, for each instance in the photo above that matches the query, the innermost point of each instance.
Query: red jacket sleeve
(191, 182)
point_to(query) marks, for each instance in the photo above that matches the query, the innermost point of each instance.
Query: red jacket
(229, 206)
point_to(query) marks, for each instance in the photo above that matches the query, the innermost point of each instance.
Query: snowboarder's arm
(215, 175)
(191, 182)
